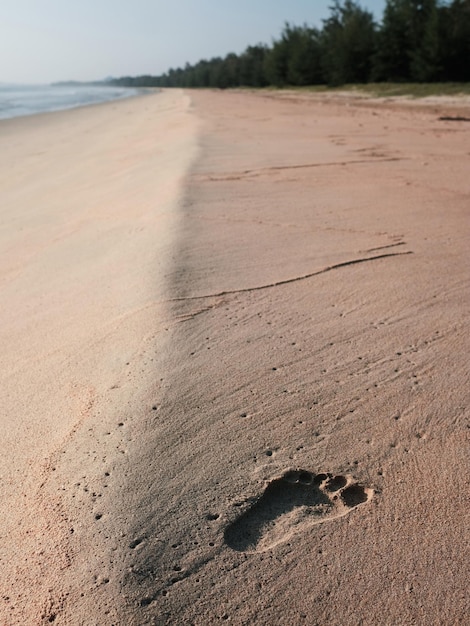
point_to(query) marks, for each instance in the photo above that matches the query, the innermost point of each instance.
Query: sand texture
(235, 373)
(88, 232)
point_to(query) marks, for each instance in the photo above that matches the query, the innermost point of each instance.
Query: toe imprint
(292, 503)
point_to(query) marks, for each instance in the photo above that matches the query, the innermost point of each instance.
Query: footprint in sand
(291, 504)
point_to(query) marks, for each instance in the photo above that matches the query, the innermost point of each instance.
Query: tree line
(416, 41)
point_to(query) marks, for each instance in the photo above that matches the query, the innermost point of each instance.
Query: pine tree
(408, 42)
(454, 35)
(252, 66)
(424, 44)
(348, 41)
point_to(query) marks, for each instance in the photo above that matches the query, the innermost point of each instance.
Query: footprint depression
(292, 503)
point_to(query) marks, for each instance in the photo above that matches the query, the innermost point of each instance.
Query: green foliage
(295, 59)
(252, 67)
(348, 41)
(408, 41)
(392, 59)
(424, 44)
(418, 40)
(454, 40)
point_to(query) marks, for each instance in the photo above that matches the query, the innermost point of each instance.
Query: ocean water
(17, 100)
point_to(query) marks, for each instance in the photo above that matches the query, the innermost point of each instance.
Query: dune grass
(388, 90)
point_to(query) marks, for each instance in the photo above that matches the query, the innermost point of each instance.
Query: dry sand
(248, 403)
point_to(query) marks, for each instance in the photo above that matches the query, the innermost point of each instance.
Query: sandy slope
(280, 435)
(358, 367)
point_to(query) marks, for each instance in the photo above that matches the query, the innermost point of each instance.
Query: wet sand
(254, 407)
(89, 216)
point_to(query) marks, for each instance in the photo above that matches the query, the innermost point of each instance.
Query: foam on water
(17, 100)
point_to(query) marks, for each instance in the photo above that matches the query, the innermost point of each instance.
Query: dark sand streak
(288, 281)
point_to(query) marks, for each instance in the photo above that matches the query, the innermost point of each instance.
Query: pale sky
(49, 40)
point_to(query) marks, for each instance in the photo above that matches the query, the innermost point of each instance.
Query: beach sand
(89, 220)
(235, 376)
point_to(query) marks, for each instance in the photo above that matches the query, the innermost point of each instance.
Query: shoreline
(248, 402)
(142, 91)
